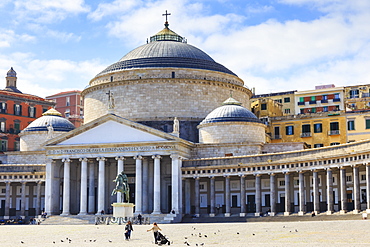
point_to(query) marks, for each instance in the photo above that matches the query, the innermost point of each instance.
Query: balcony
(336, 100)
(365, 95)
(333, 132)
(276, 137)
(306, 134)
(300, 103)
(312, 102)
(324, 101)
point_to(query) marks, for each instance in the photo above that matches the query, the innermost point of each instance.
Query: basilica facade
(178, 124)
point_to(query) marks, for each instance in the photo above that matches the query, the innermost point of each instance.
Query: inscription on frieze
(109, 150)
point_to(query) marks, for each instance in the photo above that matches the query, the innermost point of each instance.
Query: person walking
(155, 230)
(140, 218)
(128, 229)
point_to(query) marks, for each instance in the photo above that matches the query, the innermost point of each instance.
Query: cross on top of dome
(167, 34)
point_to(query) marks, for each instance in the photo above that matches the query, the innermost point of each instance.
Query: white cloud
(8, 37)
(63, 36)
(47, 77)
(109, 9)
(46, 11)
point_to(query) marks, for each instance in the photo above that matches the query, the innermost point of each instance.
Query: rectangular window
(367, 123)
(301, 99)
(264, 106)
(16, 146)
(313, 110)
(317, 128)
(173, 74)
(334, 126)
(313, 98)
(325, 109)
(325, 97)
(351, 125)
(354, 93)
(334, 143)
(4, 145)
(67, 113)
(17, 127)
(349, 178)
(306, 128)
(277, 132)
(68, 103)
(17, 110)
(2, 126)
(278, 100)
(3, 107)
(318, 145)
(289, 130)
(287, 111)
(31, 111)
(287, 100)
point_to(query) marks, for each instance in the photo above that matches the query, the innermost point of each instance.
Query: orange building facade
(17, 111)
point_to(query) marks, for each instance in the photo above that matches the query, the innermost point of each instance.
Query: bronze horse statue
(122, 187)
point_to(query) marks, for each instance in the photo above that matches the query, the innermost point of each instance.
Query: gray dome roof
(51, 117)
(231, 111)
(166, 50)
(11, 73)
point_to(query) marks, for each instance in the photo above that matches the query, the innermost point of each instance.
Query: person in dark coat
(128, 229)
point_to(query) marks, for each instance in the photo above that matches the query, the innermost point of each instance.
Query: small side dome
(50, 118)
(11, 73)
(230, 111)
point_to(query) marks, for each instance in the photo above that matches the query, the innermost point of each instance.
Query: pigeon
(283, 226)
(53, 242)
(237, 233)
(296, 230)
(253, 234)
(196, 244)
(205, 236)
(187, 244)
(22, 242)
(186, 238)
(61, 240)
(110, 241)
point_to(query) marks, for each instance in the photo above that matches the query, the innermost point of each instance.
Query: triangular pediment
(111, 129)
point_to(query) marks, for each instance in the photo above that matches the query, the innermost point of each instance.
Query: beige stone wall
(35, 157)
(283, 147)
(231, 132)
(222, 150)
(160, 99)
(35, 140)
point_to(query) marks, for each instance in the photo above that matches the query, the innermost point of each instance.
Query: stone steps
(69, 220)
(278, 218)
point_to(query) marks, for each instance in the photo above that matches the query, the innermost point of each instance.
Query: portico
(151, 159)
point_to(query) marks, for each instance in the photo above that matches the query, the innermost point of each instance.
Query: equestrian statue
(122, 187)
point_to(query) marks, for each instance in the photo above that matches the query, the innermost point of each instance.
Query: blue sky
(273, 45)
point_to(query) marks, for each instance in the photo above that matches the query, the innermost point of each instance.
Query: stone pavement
(307, 233)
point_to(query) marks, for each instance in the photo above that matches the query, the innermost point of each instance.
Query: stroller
(162, 239)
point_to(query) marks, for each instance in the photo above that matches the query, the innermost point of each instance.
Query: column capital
(300, 171)
(138, 157)
(39, 182)
(211, 177)
(83, 159)
(23, 182)
(120, 158)
(257, 174)
(226, 176)
(242, 175)
(355, 165)
(175, 156)
(272, 174)
(328, 169)
(101, 159)
(196, 177)
(342, 167)
(156, 156)
(66, 160)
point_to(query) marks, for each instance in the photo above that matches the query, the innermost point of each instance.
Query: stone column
(197, 197)
(243, 210)
(66, 186)
(138, 184)
(356, 190)
(7, 200)
(50, 188)
(368, 188)
(258, 196)
(301, 194)
(227, 198)
(83, 193)
(187, 196)
(212, 196)
(287, 194)
(316, 195)
(145, 207)
(273, 194)
(91, 206)
(175, 186)
(38, 197)
(120, 168)
(329, 184)
(23, 199)
(180, 186)
(343, 190)
(101, 185)
(157, 185)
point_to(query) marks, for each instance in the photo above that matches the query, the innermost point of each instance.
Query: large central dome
(166, 49)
